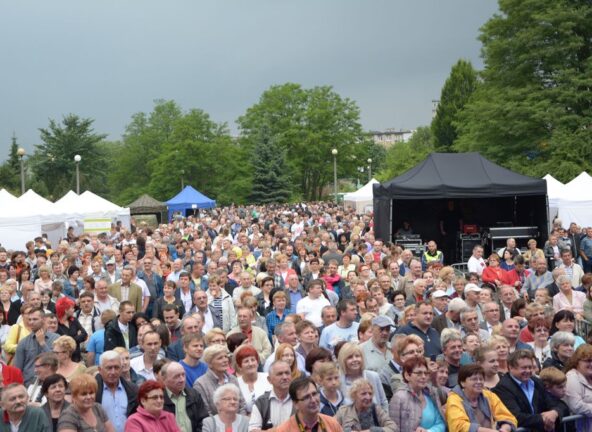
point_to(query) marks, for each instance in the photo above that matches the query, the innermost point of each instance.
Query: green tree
(201, 153)
(404, 156)
(270, 179)
(532, 112)
(308, 124)
(53, 161)
(143, 142)
(10, 170)
(456, 92)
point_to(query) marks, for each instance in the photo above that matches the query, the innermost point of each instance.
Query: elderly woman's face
(5, 295)
(249, 364)
(363, 398)
(565, 286)
(419, 377)
(154, 401)
(473, 384)
(565, 351)
(229, 402)
(219, 363)
(56, 392)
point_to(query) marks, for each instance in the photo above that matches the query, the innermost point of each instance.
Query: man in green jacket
(17, 416)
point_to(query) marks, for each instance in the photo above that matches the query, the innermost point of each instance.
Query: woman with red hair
(69, 326)
(251, 383)
(150, 415)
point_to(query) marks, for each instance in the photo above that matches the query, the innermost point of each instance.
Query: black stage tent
(485, 194)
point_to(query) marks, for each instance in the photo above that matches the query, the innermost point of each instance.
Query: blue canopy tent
(189, 199)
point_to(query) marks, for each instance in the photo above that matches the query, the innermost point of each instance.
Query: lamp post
(77, 159)
(334, 153)
(182, 179)
(21, 154)
(369, 169)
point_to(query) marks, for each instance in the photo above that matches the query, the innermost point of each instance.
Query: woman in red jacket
(493, 273)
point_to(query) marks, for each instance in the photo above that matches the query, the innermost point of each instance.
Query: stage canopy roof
(186, 199)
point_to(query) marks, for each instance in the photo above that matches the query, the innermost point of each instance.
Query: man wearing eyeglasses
(307, 404)
(376, 350)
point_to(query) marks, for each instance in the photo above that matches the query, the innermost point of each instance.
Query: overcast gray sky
(109, 59)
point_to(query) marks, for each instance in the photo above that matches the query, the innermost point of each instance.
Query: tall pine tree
(271, 183)
(456, 92)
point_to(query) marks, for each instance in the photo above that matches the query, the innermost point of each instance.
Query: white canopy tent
(554, 193)
(31, 215)
(575, 203)
(362, 199)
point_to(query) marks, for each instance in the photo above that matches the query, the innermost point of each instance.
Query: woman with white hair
(216, 357)
(568, 299)
(562, 348)
(363, 413)
(227, 400)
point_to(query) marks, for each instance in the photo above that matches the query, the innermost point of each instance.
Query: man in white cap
(451, 319)
(439, 300)
(472, 299)
(376, 351)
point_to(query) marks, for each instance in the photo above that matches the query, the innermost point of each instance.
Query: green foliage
(202, 153)
(10, 170)
(307, 124)
(143, 142)
(53, 162)
(404, 156)
(457, 90)
(270, 177)
(532, 112)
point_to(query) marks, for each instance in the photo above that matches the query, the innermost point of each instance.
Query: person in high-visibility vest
(432, 254)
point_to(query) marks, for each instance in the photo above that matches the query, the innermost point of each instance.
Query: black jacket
(114, 337)
(77, 332)
(13, 312)
(195, 407)
(515, 400)
(131, 390)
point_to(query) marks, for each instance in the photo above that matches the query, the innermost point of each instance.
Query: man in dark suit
(507, 297)
(525, 396)
(450, 319)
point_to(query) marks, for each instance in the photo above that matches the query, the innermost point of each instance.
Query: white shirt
(138, 365)
(476, 265)
(261, 386)
(279, 412)
(186, 299)
(312, 309)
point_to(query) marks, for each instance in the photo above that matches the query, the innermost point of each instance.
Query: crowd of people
(292, 318)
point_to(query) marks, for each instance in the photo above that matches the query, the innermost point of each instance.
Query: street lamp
(21, 154)
(369, 169)
(182, 180)
(334, 153)
(77, 159)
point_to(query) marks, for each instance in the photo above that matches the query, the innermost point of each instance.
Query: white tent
(575, 204)
(31, 215)
(554, 193)
(361, 200)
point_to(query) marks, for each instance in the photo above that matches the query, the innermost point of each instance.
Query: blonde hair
(346, 351)
(209, 336)
(67, 343)
(358, 385)
(211, 352)
(279, 352)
